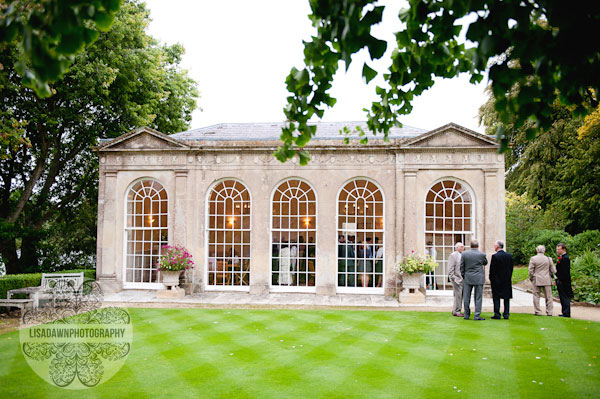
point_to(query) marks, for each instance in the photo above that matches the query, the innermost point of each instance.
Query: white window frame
(357, 289)
(280, 288)
(447, 288)
(126, 229)
(207, 230)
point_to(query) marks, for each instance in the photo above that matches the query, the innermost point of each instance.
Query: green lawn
(206, 353)
(520, 274)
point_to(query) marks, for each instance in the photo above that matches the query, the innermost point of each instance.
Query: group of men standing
(466, 271)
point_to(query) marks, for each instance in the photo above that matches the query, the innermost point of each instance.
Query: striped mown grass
(224, 353)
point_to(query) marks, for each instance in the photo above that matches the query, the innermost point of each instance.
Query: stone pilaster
(410, 211)
(326, 272)
(492, 226)
(180, 217)
(108, 234)
(260, 265)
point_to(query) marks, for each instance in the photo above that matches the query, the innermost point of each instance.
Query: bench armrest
(26, 290)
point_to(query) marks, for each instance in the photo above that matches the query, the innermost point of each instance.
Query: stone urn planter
(170, 279)
(173, 261)
(411, 289)
(411, 269)
(411, 282)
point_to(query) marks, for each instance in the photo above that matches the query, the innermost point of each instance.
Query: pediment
(451, 136)
(143, 138)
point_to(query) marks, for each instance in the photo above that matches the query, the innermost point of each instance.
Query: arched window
(293, 234)
(449, 219)
(361, 258)
(146, 230)
(228, 232)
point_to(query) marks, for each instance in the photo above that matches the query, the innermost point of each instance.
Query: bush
(585, 275)
(586, 289)
(14, 281)
(524, 219)
(587, 241)
(548, 238)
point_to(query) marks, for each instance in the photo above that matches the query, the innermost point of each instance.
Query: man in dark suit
(563, 280)
(472, 266)
(501, 269)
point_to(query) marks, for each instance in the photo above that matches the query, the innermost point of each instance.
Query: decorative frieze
(448, 158)
(347, 158)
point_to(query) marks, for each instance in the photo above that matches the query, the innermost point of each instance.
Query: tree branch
(35, 176)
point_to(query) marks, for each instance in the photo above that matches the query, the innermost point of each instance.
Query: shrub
(587, 263)
(585, 275)
(548, 238)
(587, 241)
(586, 289)
(14, 281)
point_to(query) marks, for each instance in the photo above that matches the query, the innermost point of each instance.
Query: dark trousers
(467, 288)
(506, 312)
(565, 301)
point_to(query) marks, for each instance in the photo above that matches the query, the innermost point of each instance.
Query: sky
(241, 51)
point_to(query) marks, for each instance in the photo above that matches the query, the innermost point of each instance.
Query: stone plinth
(418, 296)
(174, 292)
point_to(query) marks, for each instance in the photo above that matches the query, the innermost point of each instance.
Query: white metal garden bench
(53, 285)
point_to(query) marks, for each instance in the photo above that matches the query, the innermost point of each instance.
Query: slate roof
(272, 131)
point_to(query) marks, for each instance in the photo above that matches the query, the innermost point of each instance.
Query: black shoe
(497, 317)
(479, 318)
(505, 317)
(564, 315)
(466, 317)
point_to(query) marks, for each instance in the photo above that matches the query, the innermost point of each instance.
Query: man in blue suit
(472, 269)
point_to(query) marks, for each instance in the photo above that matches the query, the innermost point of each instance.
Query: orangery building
(254, 224)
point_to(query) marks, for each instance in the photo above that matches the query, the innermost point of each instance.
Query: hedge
(14, 281)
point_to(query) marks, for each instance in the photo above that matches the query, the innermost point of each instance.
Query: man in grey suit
(472, 266)
(456, 278)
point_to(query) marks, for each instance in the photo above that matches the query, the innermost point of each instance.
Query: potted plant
(173, 260)
(412, 269)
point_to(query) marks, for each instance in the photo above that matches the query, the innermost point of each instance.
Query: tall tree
(559, 169)
(123, 80)
(538, 45)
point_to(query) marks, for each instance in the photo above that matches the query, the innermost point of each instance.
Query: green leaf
(71, 43)
(114, 5)
(104, 20)
(304, 157)
(368, 73)
(376, 48)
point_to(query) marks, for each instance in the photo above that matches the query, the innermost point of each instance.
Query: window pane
(360, 235)
(293, 223)
(146, 230)
(229, 245)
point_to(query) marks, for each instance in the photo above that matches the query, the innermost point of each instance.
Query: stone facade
(404, 168)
